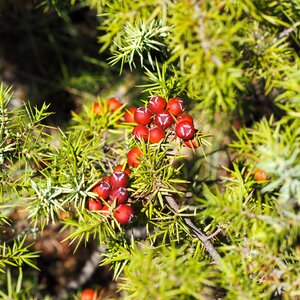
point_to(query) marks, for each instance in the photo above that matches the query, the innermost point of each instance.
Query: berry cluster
(152, 124)
(111, 192)
(153, 121)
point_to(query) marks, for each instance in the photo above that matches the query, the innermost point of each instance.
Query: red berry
(94, 205)
(156, 134)
(185, 117)
(175, 106)
(102, 189)
(97, 108)
(88, 294)
(129, 114)
(260, 175)
(120, 168)
(194, 143)
(142, 116)
(123, 214)
(113, 104)
(118, 179)
(119, 194)
(157, 104)
(140, 132)
(133, 157)
(163, 119)
(105, 210)
(105, 178)
(185, 130)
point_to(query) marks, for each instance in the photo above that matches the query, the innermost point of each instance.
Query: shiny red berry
(102, 189)
(88, 294)
(185, 117)
(142, 116)
(175, 106)
(157, 104)
(185, 130)
(94, 205)
(123, 214)
(120, 168)
(156, 134)
(129, 115)
(133, 157)
(163, 119)
(140, 132)
(119, 194)
(118, 179)
(113, 104)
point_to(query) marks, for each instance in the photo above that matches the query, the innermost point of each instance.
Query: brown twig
(200, 235)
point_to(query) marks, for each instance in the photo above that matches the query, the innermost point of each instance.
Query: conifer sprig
(139, 40)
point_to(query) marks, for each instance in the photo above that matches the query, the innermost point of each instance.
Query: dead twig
(200, 235)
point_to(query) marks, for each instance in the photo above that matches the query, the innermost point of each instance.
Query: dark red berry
(102, 189)
(194, 143)
(88, 294)
(120, 168)
(157, 104)
(133, 157)
(129, 115)
(140, 132)
(175, 106)
(94, 205)
(185, 130)
(119, 194)
(113, 104)
(185, 117)
(118, 179)
(156, 134)
(123, 214)
(163, 119)
(142, 116)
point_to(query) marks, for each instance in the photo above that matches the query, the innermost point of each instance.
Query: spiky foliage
(214, 63)
(240, 232)
(274, 147)
(22, 136)
(184, 275)
(139, 40)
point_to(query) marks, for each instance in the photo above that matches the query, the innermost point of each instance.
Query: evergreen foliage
(183, 277)
(195, 237)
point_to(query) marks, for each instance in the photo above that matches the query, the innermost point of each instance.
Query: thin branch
(209, 237)
(200, 235)
(88, 269)
(286, 32)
